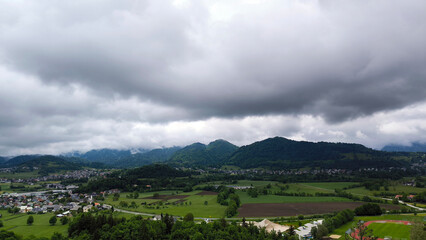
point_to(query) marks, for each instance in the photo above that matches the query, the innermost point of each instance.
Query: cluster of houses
(62, 202)
(409, 197)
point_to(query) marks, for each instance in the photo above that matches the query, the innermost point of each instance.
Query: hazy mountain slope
(140, 159)
(415, 147)
(106, 156)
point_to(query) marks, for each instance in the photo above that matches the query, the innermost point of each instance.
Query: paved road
(408, 205)
(136, 213)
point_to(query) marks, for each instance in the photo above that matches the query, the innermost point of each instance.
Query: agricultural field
(204, 204)
(192, 202)
(40, 228)
(311, 188)
(245, 198)
(329, 185)
(22, 175)
(23, 187)
(298, 208)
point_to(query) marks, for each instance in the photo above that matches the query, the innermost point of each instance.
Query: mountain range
(272, 153)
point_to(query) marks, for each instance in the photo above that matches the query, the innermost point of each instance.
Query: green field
(394, 189)
(40, 228)
(245, 198)
(390, 229)
(23, 187)
(22, 175)
(329, 185)
(194, 204)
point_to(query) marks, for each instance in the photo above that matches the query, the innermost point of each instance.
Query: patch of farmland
(293, 209)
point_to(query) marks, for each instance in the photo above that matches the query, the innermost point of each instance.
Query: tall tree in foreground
(418, 231)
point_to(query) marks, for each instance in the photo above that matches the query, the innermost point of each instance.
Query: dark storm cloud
(89, 74)
(339, 60)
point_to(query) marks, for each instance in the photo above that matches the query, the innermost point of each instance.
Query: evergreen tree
(30, 220)
(53, 220)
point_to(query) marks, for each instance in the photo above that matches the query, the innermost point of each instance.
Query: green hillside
(48, 164)
(284, 153)
(198, 154)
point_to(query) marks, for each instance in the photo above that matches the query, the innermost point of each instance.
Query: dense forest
(288, 154)
(200, 155)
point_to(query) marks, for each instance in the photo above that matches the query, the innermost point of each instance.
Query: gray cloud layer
(71, 65)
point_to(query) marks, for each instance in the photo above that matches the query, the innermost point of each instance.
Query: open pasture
(40, 228)
(201, 205)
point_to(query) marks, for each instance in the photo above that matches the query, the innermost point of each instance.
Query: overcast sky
(82, 74)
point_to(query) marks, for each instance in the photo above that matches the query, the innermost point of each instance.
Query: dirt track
(293, 209)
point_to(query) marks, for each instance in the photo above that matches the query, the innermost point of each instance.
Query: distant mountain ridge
(198, 154)
(105, 155)
(272, 153)
(414, 147)
(141, 159)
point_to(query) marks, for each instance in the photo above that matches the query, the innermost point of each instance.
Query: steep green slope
(198, 154)
(19, 160)
(284, 153)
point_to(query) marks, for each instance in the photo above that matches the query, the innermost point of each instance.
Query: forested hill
(198, 154)
(15, 161)
(49, 164)
(414, 147)
(280, 152)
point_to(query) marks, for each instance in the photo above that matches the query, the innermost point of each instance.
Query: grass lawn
(390, 229)
(40, 228)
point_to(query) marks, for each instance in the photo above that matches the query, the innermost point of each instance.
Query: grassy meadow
(40, 228)
(194, 204)
(393, 230)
